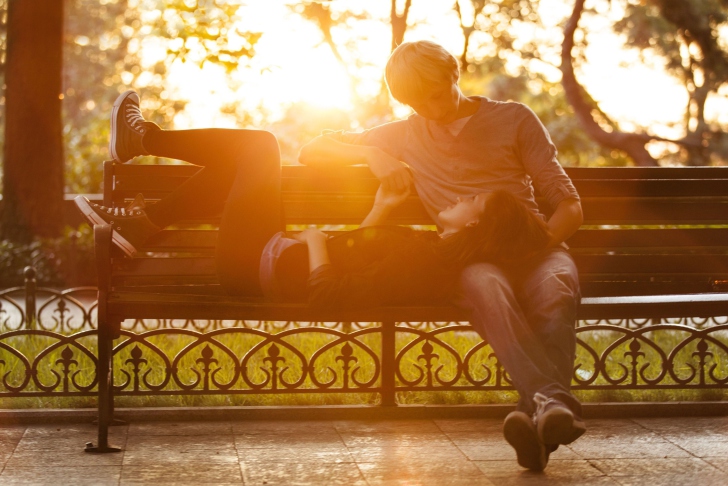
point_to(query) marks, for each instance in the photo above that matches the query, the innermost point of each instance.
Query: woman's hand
(385, 200)
(318, 253)
(390, 198)
(311, 236)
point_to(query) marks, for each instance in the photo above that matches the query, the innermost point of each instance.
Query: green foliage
(200, 31)
(64, 261)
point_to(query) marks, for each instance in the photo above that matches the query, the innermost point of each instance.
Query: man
(455, 146)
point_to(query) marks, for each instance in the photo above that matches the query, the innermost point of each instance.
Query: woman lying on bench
(373, 265)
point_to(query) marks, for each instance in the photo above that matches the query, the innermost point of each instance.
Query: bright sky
(292, 64)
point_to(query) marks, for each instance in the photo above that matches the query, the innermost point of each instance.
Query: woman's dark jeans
(240, 178)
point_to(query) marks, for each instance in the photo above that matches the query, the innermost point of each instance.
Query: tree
(33, 151)
(684, 33)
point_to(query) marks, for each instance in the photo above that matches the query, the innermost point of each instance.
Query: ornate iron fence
(327, 360)
(48, 348)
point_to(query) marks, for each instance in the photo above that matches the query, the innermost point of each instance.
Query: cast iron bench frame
(660, 269)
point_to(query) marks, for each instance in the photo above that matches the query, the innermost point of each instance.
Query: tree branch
(633, 144)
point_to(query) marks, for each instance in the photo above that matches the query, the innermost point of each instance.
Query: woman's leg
(240, 175)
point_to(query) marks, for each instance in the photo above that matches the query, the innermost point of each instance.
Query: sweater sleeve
(390, 137)
(538, 155)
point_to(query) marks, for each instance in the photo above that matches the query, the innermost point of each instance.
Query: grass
(254, 349)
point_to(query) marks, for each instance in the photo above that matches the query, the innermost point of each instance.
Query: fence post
(30, 285)
(389, 364)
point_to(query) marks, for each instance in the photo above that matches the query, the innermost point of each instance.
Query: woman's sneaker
(128, 126)
(130, 228)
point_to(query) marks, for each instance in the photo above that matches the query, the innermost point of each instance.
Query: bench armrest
(102, 251)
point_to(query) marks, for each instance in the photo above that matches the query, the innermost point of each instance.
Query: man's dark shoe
(520, 432)
(128, 126)
(555, 422)
(130, 228)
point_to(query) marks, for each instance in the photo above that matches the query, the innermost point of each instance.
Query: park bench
(653, 245)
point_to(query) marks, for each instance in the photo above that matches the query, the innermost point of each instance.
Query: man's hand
(392, 173)
(388, 198)
(565, 221)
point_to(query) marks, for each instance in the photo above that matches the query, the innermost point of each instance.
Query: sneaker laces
(117, 211)
(134, 118)
(541, 402)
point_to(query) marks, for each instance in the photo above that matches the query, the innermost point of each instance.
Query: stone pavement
(659, 451)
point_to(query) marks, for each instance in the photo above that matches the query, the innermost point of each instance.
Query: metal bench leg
(106, 397)
(389, 365)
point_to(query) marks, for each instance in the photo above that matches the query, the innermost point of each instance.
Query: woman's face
(465, 212)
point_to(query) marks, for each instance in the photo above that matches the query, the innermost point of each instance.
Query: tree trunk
(399, 22)
(631, 143)
(33, 152)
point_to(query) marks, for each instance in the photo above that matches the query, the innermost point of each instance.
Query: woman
(373, 265)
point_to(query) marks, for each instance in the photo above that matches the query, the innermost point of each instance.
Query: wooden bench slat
(608, 239)
(588, 264)
(650, 264)
(696, 239)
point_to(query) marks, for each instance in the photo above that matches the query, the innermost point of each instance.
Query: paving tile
(410, 454)
(437, 481)
(629, 447)
(284, 427)
(183, 473)
(60, 475)
(700, 448)
(528, 478)
(293, 455)
(180, 428)
(400, 439)
(74, 430)
(556, 469)
(486, 426)
(166, 449)
(720, 462)
(437, 471)
(61, 457)
(475, 438)
(266, 440)
(279, 473)
(10, 433)
(672, 480)
(491, 451)
(710, 429)
(654, 466)
(387, 426)
(67, 438)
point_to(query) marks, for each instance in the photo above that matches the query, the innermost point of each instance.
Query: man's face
(439, 104)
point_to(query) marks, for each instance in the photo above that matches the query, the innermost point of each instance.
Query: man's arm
(325, 151)
(565, 221)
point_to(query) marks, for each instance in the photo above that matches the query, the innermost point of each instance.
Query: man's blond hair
(415, 68)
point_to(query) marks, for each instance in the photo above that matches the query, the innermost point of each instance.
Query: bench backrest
(646, 230)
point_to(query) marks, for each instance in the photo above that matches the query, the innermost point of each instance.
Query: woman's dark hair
(506, 231)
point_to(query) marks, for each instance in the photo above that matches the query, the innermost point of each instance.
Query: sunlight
(293, 64)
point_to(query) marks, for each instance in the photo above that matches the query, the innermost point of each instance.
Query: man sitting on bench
(455, 146)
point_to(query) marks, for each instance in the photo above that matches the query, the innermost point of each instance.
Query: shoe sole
(115, 111)
(85, 207)
(558, 426)
(522, 436)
